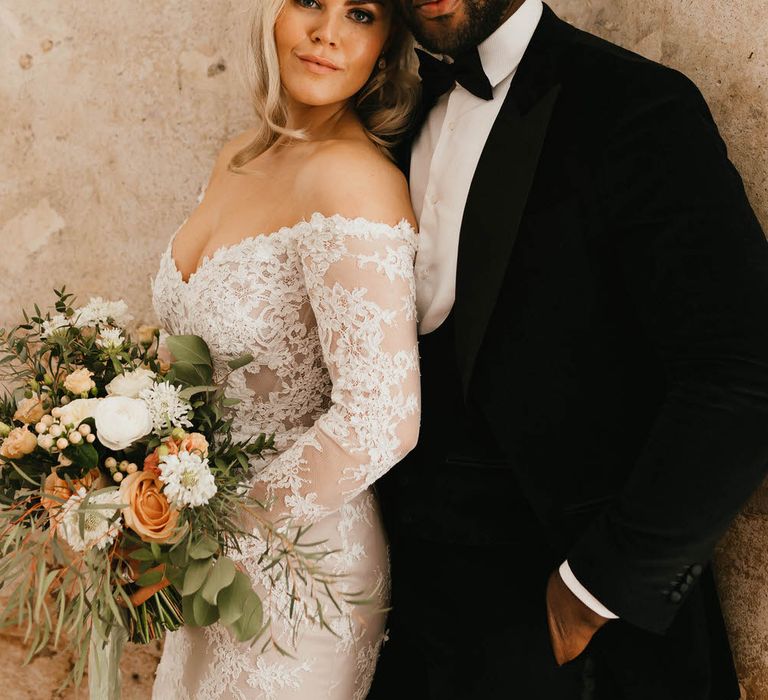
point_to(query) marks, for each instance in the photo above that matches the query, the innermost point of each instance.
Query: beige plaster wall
(112, 113)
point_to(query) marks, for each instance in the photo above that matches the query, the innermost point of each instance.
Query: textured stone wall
(113, 112)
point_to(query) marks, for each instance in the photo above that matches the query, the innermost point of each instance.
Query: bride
(301, 253)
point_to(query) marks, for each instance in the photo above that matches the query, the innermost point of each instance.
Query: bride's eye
(307, 3)
(361, 16)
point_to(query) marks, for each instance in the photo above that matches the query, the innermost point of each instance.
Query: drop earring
(382, 64)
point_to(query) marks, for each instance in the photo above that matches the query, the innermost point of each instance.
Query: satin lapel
(498, 195)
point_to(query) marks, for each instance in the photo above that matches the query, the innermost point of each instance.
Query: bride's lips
(317, 64)
(436, 8)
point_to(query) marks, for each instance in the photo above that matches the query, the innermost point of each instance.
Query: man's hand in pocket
(571, 623)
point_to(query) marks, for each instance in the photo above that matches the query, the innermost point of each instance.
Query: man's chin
(442, 35)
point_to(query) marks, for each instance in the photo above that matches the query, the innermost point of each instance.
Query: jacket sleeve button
(675, 597)
(696, 569)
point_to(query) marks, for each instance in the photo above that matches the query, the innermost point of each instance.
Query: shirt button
(451, 125)
(435, 200)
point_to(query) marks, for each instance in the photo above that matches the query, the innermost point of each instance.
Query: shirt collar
(503, 50)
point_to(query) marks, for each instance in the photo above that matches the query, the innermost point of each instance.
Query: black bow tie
(467, 70)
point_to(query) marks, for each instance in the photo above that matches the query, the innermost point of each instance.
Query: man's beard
(482, 19)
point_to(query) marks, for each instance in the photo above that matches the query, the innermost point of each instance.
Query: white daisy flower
(98, 310)
(110, 338)
(187, 478)
(57, 323)
(98, 527)
(165, 405)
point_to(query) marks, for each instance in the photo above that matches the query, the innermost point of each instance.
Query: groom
(592, 287)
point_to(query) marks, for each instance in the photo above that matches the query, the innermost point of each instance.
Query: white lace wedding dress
(326, 307)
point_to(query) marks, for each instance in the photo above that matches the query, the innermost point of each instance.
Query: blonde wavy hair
(384, 105)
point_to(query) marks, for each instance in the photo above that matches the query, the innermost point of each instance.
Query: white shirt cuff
(582, 593)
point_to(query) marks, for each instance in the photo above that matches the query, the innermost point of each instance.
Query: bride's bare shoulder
(353, 178)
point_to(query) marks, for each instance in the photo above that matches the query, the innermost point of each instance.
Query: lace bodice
(326, 307)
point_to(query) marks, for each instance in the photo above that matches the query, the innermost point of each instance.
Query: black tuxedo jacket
(611, 317)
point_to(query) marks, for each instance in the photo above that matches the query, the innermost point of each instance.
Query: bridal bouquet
(121, 488)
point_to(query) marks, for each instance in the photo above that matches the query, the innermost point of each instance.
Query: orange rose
(148, 512)
(56, 486)
(152, 461)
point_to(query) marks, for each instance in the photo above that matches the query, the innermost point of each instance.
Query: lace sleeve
(359, 277)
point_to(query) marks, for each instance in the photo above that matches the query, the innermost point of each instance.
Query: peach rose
(193, 442)
(148, 512)
(19, 442)
(79, 381)
(30, 410)
(56, 486)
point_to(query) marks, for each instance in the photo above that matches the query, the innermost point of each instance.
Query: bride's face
(328, 48)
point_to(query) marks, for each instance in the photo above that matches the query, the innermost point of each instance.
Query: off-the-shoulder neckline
(317, 217)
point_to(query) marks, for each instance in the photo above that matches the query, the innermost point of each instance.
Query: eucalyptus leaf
(175, 575)
(242, 361)
(221, 576)
(142, 555)
(178, 557)
(150, 578)
(196, 575)
(232, 598)
(192, 375)
(189, 348)
(204, 613)
(249, 623)
(190, 391)
(204, 548)
(187, 611)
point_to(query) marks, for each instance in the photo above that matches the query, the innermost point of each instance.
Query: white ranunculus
(121, 420)
(131, 383)
(75, 412)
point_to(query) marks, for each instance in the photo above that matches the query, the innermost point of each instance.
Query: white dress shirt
(443, 161)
